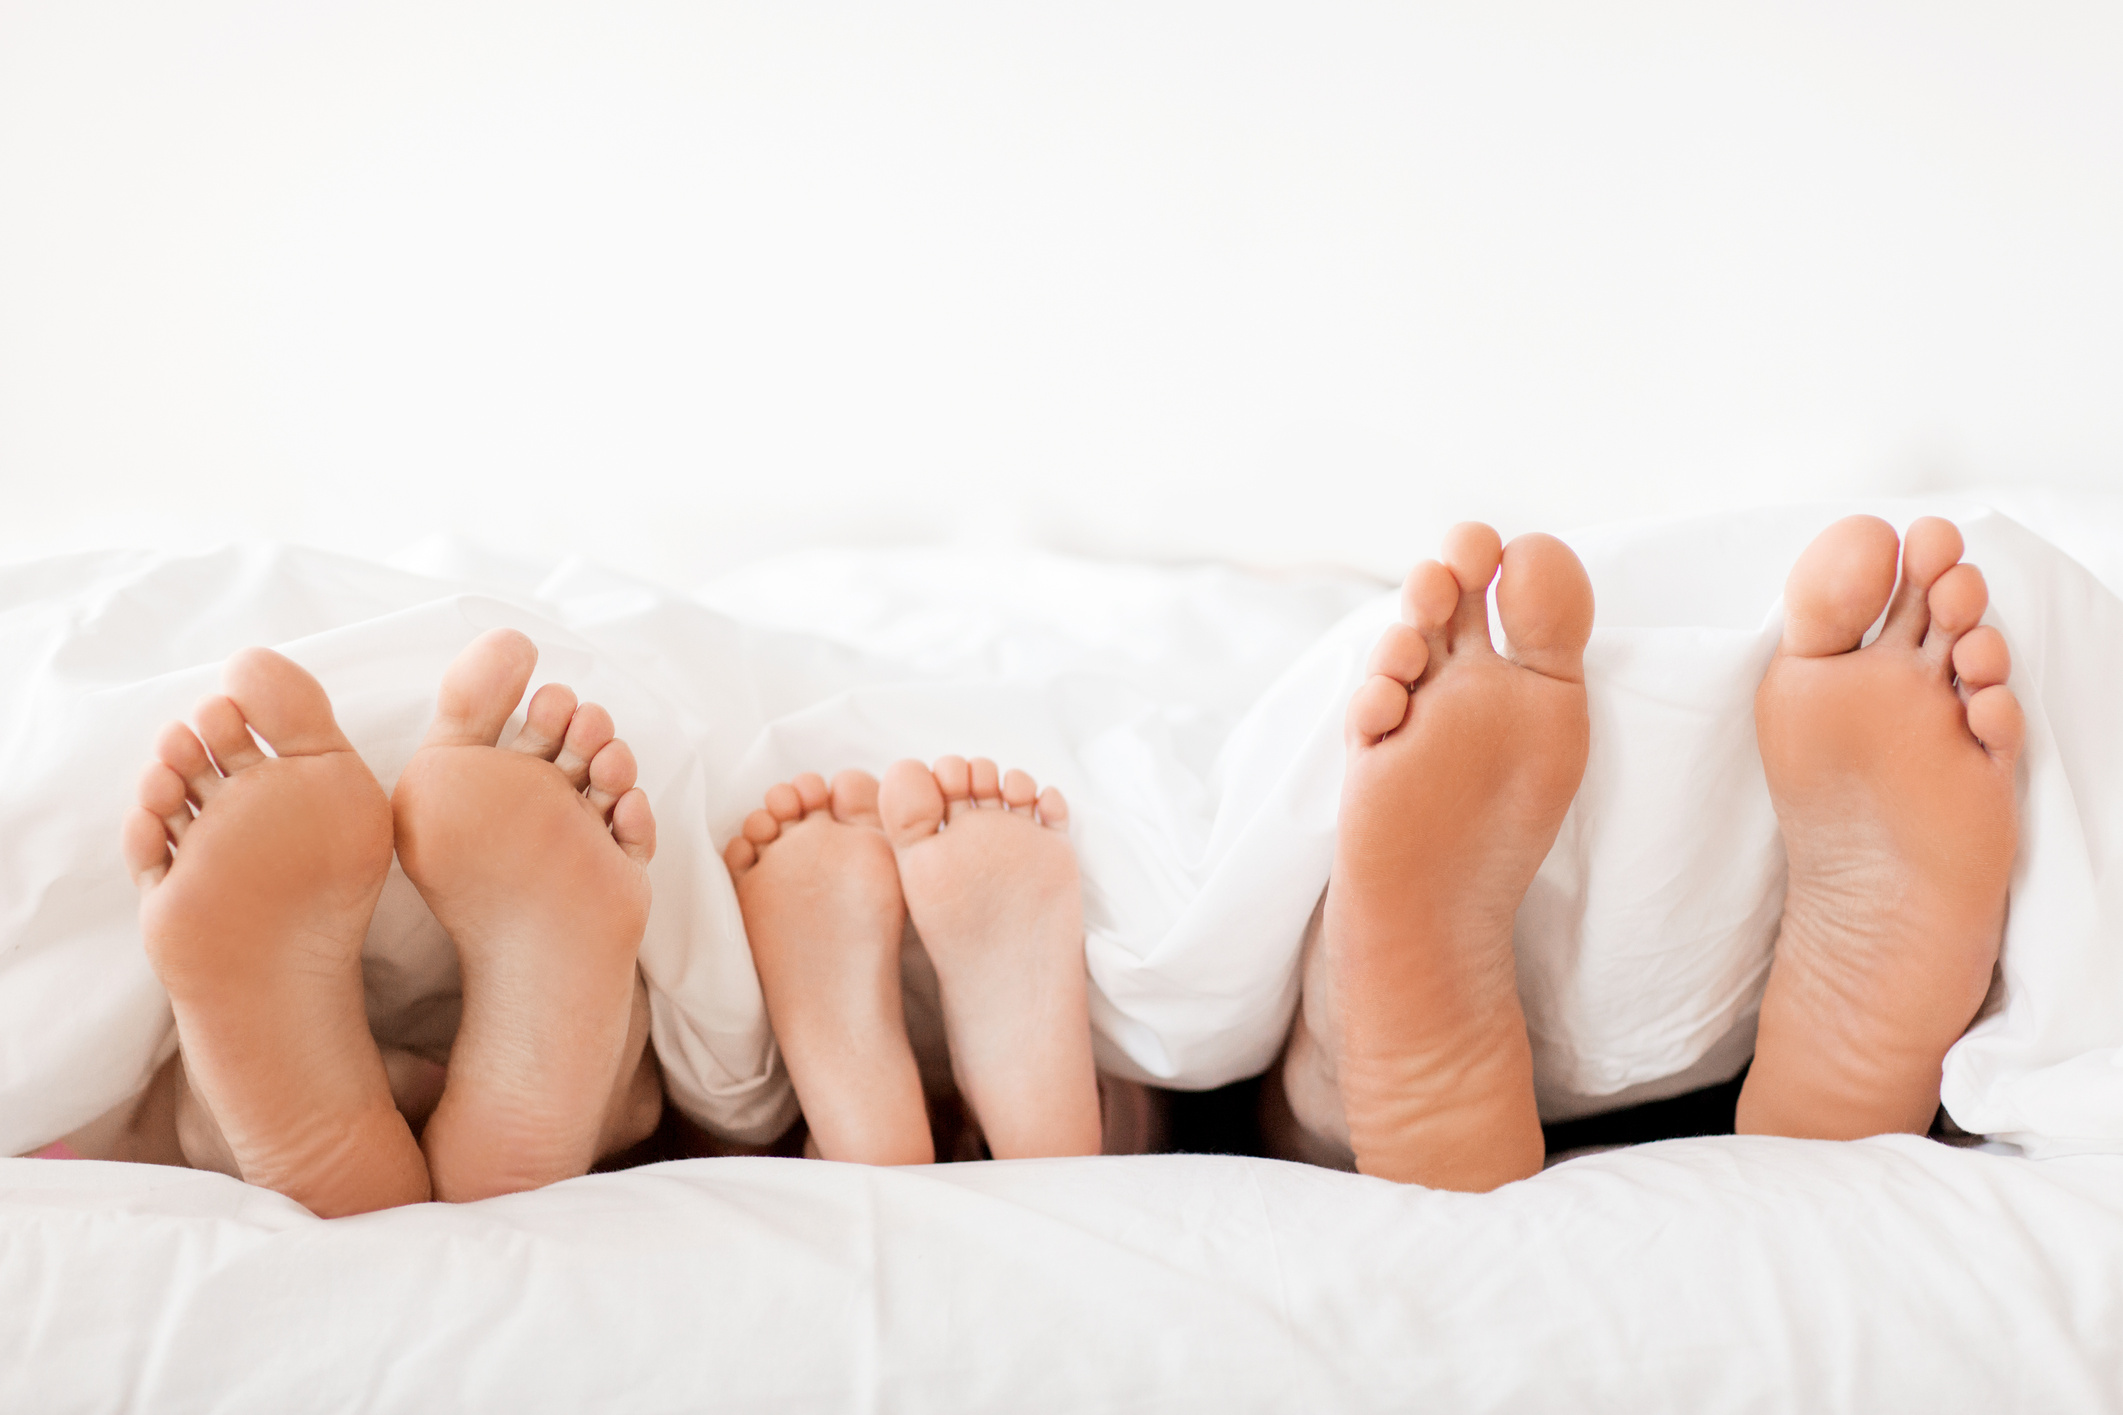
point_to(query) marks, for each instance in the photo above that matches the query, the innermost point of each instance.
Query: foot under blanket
(1192, 716)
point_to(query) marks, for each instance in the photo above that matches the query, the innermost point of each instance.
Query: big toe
(854, 796)
(909, 802)
(480, 688)
(284, 703)
(1544, 598)
(1839, 586)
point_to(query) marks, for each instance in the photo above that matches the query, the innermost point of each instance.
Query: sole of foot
(1462, 763)
(820, 893)
(258, 876)
(534, 858)
(990, 881)
(1891, 767)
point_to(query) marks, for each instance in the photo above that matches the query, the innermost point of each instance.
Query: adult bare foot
(990, 881)
(1461, 766)
(1891, 769)
(254, 923)
(820, 893)
(534, 858)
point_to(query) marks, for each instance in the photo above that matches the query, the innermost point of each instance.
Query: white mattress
(1694, 1277)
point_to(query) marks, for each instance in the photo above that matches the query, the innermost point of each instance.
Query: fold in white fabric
(1192, 715)
(1699, 1275)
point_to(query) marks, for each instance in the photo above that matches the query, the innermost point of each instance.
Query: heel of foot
(1440, 1112)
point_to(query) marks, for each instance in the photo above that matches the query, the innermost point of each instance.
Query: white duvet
(1193, 717)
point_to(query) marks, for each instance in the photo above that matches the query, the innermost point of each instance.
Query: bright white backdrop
(679, 285)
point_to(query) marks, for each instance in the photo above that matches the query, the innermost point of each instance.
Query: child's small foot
(255, 923)
(1461, 766)
(990, 880)
(534, 858)
(822, 907)
(1891, 769)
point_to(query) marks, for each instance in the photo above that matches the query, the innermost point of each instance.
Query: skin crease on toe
(1891, 768)
(1461, 766)
(253, 914)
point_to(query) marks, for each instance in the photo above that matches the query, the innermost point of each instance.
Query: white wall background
(678, 285)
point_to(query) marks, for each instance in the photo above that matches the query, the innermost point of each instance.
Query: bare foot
(1891, 769)
(534, 858)
(1462, 764)
(820, 893)
(990, 880)
(254, 924)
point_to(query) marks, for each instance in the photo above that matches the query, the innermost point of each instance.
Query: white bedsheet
(1193, 717)
(1694, 1277)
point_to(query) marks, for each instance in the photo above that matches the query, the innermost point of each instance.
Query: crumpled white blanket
(1192, 716)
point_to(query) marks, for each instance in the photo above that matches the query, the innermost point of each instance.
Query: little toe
(910, 801)
(987, 783)
(162, 795)
(179, 749)
(1995, 718)
(1544, 599)
(144, 845)
(1838, 587)
(1378, 707)
(220, 726)
(480, 688)
(739, 856)
(855, 799)
(1472, 551)
(545, 722)
(1981, 659)
(633, 823)
(1053, 809)
(1929, 548)
(612, 773)
(588, 731)
(1020, 791)
(1401, 654)
(954, 777)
